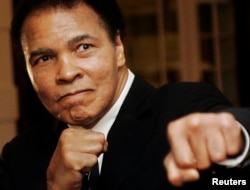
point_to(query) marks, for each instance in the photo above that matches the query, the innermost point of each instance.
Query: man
(111, 118)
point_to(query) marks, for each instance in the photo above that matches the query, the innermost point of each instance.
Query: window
(176, 40)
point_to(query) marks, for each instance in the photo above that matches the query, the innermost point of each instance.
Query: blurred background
(166, 41)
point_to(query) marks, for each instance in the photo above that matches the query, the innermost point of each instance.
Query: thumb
(176, 175)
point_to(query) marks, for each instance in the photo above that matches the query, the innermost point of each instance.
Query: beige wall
(8, 92)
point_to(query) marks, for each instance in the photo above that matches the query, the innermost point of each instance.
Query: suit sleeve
(242, 115)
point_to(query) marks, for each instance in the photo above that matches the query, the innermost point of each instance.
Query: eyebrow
(80, 38)
(40, 51)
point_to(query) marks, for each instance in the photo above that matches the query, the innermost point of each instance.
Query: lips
(73, 93)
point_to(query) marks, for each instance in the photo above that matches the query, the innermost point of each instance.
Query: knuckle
(92, 158)
(66, 134)
(218, 157)
(174, 128)
(67, 156)
(227, 121)
(203, 165)
(98, 147)
(195, 123)
(101, 137)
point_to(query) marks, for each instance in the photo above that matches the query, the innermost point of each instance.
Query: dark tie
(90, 180)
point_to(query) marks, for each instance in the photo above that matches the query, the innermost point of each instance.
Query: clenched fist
(76, 153)
(197, 141)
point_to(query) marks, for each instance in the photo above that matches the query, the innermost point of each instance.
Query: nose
(68, 70)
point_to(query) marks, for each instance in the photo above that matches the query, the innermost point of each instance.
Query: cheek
(107, 89)
(45, 96)
(43, 86)
(105, 69)
(39, 77)
(108, 81)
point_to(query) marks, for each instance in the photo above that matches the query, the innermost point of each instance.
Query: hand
(197, 141)
(76, 153)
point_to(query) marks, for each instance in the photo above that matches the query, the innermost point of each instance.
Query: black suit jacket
(137, 141)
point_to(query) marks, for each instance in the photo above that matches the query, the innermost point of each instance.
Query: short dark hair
(108, 11)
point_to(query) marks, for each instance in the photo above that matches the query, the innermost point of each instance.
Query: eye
(41, 59)
(44, 58)
(83, 47)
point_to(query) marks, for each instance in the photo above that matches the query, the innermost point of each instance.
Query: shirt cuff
(234, 162)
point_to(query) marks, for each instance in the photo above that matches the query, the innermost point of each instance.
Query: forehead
(59, 23)
(56, 16)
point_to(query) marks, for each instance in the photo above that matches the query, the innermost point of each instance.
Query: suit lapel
(127, 137)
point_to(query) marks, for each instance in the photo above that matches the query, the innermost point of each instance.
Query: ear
(120, 55)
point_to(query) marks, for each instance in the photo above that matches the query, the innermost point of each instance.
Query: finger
(85, 134)
(105, 147)
(216, 145)
(78, 161)
(95, 144)
(199, 148)
(196, 131)
(177, 176)
(232, 134)
(93, 147)
(83, 141)
(179, 143)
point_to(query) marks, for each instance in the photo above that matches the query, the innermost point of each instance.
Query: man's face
(75, 69)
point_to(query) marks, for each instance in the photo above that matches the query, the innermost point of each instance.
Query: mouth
(73, 93)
